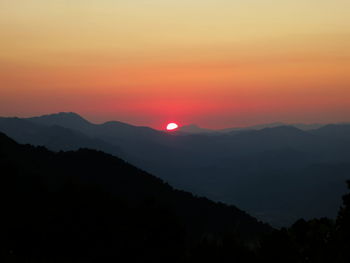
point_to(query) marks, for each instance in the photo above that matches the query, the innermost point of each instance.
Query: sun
(172, 126)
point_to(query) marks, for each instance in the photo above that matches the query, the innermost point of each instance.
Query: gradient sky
(216, 63)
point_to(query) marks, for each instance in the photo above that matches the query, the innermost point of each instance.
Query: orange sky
(215, 63)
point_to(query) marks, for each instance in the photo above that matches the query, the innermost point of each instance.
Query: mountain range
(274, 173)
(195, 129)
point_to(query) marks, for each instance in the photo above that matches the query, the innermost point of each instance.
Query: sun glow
(172, 126)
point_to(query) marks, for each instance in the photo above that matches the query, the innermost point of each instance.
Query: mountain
(64, 119)
(113, 129)
(254, 127)
(135, 139)
(88, 206)
(340, 131)
(54, 137)
(194, 129)
(308, 127)
(286, 168)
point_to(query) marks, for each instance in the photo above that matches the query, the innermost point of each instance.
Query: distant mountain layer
(195, 129)
(273, 173)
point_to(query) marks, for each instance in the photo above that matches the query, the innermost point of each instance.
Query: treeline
(314, 241)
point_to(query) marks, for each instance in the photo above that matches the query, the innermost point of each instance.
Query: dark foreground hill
(88, 206)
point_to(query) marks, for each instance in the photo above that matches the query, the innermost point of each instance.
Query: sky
(215, 63)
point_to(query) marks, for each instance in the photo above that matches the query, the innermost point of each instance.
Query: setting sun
(172, 126)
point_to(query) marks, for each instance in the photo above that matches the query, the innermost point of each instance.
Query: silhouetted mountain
(254, 127)
(135, 139)
(194, 129)
(339, 131)
(54, 137)
(277, 164)
(88, 206)
(308, 127)
(112, 129)
(64, 119)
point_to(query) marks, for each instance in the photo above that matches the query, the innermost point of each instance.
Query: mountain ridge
(225, 167)
(192, 128)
